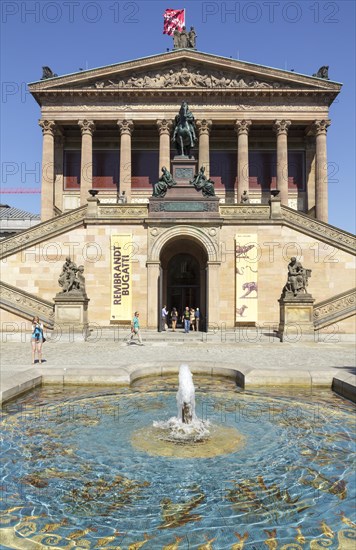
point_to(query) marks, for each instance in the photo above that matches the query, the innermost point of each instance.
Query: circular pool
(84, 468)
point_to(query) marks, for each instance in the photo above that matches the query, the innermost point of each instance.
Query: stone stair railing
(42, 231)
(325, 232)
(26, 305)
(334, 309)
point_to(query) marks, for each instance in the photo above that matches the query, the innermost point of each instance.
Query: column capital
(281, 126)
(320, 126)
(204, 126)
(164, 126)
(48, 127)
(87, 127)
(242, 126)
(126, 127)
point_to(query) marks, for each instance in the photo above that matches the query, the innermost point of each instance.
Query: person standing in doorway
(164, 318)
(186, 320)
(197, 319)
(135, 329)
(192, 318)
(174, 317)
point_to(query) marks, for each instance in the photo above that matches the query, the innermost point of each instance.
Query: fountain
(86, 467)
(186, 427)
(186, 396)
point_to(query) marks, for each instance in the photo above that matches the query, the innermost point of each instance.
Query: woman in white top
(37, 339)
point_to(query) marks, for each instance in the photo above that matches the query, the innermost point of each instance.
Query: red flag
(173, 19)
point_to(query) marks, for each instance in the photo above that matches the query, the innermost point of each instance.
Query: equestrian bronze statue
(184, 135)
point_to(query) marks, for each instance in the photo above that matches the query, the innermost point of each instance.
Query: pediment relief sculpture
(186, 77)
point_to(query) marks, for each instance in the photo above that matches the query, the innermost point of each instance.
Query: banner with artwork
(246, 278)
(121, 277)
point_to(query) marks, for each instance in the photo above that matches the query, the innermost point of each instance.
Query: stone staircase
(26, 305)
(42, 231)
(326, 313)
(322, 231)
(334, 309)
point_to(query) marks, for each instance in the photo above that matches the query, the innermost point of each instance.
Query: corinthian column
(321, 181)
(164, 127)
(87, 128)
(242, 128)
(48, 172)
(126, 129)
(281, 129)
(204, 127)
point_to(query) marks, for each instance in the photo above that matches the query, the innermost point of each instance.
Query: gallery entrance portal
(183, 277)
(183, 282)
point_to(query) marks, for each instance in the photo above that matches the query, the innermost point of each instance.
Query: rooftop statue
(47, 73)
(164, 183)
(202, 183)
(323, 72)
(184, 134)
(184, 39)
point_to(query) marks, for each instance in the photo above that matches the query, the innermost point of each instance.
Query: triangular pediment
(183, 69)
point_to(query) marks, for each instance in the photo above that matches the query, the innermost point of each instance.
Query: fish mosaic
(72, 480)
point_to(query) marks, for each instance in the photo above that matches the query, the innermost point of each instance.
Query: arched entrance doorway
(183, 276)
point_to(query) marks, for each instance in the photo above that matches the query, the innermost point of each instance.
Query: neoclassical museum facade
(259, 130)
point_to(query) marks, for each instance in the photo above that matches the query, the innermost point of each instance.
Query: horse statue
(184, 135)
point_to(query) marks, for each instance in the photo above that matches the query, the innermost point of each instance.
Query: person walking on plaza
(174, 317)
(37, 339)
(135, 329)
(186, 319)
(197, 319)
(164, 318)
(192, 318)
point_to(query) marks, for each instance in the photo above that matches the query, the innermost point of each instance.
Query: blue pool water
(73, 476)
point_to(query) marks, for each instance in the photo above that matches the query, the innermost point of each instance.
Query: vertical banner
(121, 279)
(246, 277)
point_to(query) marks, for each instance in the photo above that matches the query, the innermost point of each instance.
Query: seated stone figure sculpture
(201, 182)
(164, 183)
(297, 278)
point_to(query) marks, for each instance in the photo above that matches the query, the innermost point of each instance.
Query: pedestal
(296, 318)
(184, 170)
(71, 311)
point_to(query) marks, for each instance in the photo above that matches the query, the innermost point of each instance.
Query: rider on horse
(184, 130)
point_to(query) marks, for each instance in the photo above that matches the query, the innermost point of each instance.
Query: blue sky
(74, 34)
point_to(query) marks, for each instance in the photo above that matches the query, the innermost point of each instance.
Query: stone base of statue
(184, 206)
(71, 311)
(183, 170)
(296, 317)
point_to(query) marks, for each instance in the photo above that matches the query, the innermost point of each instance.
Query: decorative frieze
(335, 309)
(326, 233)
(251, 212)
(42, 232)
(182, 76)
(122, 211)
(14, 300)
